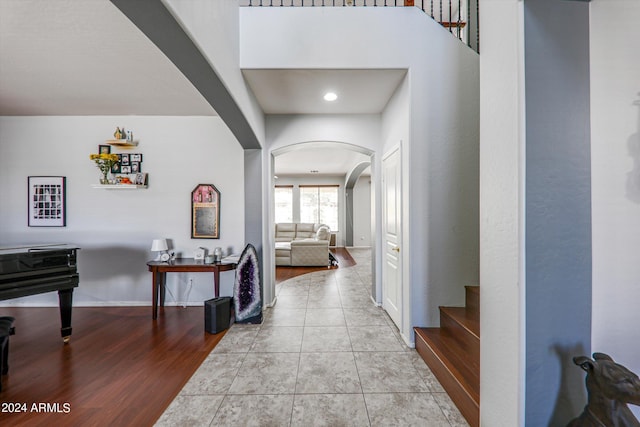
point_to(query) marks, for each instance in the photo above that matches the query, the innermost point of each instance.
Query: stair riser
(472, 299)
(469, 342)
(469, 409)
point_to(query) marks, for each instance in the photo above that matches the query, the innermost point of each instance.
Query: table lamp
(159, 245)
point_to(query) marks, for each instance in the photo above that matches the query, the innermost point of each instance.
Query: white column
(501, 213)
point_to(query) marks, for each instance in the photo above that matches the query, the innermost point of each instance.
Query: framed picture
(104, 149)
(115, 168)
(124, 159)
(141, 179)
(46, 201)
(135, 167)
(125, 169)
(135, 157)
(205, 212)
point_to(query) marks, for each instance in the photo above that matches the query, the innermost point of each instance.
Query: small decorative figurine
(610, 388)
(117, 134)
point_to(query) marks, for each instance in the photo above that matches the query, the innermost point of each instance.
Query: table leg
(158, 291)
(154, 294)
(162, 288)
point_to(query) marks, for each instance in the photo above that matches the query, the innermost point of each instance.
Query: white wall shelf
(119, 186)
(122, 143)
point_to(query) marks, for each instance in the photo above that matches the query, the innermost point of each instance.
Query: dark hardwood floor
(121, 368)
(342, 254)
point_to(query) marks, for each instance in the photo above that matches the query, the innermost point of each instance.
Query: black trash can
(217, 314)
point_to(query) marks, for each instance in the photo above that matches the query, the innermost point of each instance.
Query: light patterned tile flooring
(325, 355)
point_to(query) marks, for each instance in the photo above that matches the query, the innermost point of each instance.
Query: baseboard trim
(408, 342)
(272, 303)
(106, 304)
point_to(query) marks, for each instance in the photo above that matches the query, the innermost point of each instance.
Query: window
(319, 204)
(284, 203)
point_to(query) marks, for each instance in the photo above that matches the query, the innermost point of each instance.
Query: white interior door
(392, 234)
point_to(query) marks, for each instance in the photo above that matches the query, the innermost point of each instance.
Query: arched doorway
(322, 162)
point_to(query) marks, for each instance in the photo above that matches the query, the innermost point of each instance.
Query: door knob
(397, 249)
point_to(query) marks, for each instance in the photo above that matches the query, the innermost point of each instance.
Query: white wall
(444, 121)
(360, 130)
(214, 28)
(615, 159)
(362, 212)
(114, 228)
(501, 214)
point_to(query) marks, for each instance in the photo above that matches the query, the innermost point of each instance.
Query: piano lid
(38, 247)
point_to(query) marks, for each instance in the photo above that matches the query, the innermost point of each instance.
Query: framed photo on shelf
(205, 212)
(104, 149)
(46, 201)
(141, 179)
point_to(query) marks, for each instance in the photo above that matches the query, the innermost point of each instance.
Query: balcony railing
(460, 17)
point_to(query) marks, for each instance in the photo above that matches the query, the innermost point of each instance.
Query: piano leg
(66, 297)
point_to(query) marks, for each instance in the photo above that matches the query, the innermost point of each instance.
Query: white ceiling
(80, 57)
(302, 91)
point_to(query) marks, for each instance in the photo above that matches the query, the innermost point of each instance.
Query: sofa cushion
(308, 242)
(286, 246)
(323, 233)
(285, 232)
(283, 253)
(305, 231)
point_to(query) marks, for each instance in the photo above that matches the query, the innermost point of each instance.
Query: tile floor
(325, 355)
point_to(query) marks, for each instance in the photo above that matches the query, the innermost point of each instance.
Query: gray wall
(557, 208)
(253, 208)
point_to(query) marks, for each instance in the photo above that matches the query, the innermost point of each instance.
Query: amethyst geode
(247, 296)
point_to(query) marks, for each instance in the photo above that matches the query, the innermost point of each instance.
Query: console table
(160, 269)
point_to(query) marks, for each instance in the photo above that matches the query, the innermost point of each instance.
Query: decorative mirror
(205, 212)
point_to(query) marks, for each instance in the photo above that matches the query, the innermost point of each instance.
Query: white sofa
(302, 244)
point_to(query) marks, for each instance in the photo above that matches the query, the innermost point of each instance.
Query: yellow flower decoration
(104, 162)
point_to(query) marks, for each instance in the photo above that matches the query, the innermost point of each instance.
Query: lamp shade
(159, 245)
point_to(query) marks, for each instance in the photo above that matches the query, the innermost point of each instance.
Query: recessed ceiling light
(330, 96)
(314, 171)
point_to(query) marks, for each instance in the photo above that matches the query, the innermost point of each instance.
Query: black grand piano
(30, 270)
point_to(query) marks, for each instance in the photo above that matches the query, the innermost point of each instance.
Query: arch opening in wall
(329, 163)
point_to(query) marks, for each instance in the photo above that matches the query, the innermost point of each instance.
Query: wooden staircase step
(454, 367)
(464, 318)
(472, 295)
(464, 326)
